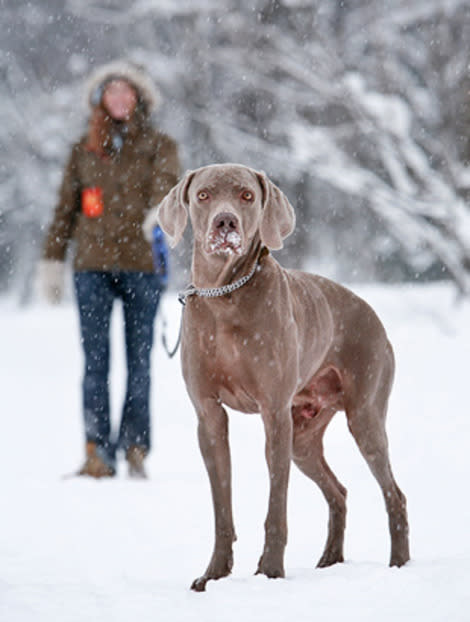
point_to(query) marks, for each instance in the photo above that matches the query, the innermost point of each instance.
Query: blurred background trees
(359, 110)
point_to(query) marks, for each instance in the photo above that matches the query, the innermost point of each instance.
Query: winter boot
(135, 457)
(95, 466)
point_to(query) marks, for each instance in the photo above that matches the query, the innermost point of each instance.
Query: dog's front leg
(278, 430)
(213, 441)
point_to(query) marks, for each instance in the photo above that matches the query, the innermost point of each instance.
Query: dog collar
(210, 292)
(216, 292)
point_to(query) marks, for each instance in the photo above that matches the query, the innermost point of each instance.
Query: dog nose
(225, 222)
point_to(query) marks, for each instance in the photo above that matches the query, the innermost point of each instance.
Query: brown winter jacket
(130, 182)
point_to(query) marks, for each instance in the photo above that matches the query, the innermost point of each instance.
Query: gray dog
(292, 346)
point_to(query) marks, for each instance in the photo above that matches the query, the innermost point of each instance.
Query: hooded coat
(106, 193)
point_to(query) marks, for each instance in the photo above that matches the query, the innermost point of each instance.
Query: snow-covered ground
(117, 551)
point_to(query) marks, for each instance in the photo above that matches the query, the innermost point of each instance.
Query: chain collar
(215, 292)
(211, 292)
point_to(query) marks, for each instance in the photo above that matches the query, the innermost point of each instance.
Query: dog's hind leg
(308, 457)
(367, 425)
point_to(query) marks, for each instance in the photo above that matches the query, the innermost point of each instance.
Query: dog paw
(219, 567)
(400, 553)
(199, 584)
(270, 568)
(399, 560)
(329, 558)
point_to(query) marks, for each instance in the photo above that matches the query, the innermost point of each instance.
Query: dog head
(227, 204)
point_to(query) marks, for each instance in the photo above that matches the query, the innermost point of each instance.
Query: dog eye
(203, 195)
(247, 195)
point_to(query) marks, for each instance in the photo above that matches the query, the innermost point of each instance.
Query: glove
(150, 222)
(160, 255)
(51, 279)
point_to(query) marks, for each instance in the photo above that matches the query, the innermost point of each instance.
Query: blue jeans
(140, 294)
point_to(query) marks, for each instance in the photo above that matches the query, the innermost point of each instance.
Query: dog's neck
(219, 269)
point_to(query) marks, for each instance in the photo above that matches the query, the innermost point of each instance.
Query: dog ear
(172, 212)
(278, 216)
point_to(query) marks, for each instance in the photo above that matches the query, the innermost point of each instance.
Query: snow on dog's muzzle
(224, 236)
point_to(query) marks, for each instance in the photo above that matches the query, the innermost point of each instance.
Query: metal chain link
(209, 292)
(215, 292)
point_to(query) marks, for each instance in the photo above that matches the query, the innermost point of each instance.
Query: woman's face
(119, 99)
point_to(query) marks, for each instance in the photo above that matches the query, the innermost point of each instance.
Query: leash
(171, 353)
(209, 292)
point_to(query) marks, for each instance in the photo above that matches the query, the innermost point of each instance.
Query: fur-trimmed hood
(133, 73)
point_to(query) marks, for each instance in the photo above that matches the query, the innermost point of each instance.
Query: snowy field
(118, 551)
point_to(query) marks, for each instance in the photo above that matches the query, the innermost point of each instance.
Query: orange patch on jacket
(92, 202)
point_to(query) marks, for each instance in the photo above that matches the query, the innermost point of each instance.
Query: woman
(115, 173)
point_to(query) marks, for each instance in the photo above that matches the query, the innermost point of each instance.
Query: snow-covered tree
(358, 110)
